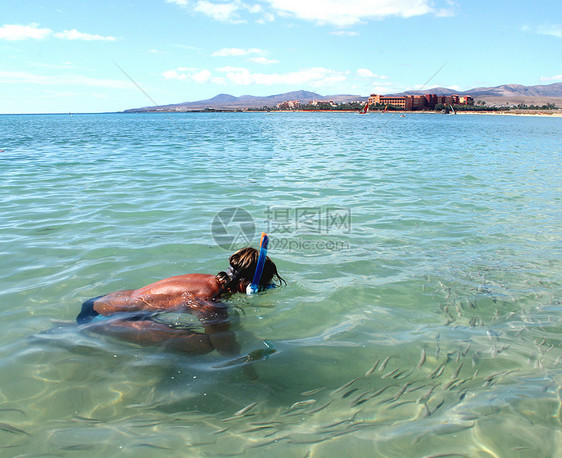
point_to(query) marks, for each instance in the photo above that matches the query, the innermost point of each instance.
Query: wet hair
(243, 265)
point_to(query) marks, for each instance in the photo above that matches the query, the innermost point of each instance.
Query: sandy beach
(534, 113)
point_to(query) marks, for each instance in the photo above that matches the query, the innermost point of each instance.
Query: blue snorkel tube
(253, 287)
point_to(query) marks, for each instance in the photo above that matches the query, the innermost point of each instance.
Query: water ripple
(424, 321)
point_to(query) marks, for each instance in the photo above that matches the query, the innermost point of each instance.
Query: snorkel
(253, 287)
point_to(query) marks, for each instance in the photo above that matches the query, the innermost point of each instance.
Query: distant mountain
(434, 90)
(222, 98)
(507, 93)
(506, 90)
(226, 101)
(345, 98)
(230, 102)
(509, 90)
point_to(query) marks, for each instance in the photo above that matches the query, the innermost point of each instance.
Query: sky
(59, 56)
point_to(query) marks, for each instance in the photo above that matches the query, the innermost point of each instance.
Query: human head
(243, 265)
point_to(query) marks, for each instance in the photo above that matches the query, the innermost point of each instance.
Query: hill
(505, 94)
(499, 95)
(506, 90)
(230, 102)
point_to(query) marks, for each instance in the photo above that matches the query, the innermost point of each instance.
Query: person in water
(132, 315)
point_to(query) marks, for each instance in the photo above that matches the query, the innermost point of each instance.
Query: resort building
(419, 102)
(376, 99)
(315, 103)
(289, 105)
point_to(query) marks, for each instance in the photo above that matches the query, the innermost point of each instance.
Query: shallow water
(422, 314)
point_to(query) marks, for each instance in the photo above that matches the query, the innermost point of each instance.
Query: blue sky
(67, 55)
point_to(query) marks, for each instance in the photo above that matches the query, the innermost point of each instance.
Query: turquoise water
(422, 314)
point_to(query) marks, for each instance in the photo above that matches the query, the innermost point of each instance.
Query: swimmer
(132, 315)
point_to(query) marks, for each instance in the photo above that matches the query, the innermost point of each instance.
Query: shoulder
(193, 280)
(188, 279)
(201, 285)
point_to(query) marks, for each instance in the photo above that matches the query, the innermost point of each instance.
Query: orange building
(376, 99)
(289, 105)
(419, 102)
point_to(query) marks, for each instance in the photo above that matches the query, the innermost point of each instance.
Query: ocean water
(422, 312)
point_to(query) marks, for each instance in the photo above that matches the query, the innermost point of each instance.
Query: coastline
(534, 113)
(515, 112)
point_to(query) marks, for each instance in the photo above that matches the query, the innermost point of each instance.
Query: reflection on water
(434, 331)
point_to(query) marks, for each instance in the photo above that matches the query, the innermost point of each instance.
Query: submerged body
(131, 314)
(134, 310)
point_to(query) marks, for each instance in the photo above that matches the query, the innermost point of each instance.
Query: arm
(215, 318)
(217, 326)
(223, 339)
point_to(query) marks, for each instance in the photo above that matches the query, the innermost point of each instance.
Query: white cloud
(34, 32)
(202, 77)
(450, 9)
(226, 12)
(238, 52)
(75, 35)
(79, 80)
(188, 47)
(315, 77)
(365, 73)
(14, 32)
(383, 89)
(262, 60)
(174, 75)
(344, 33)
(351, 12)
(62, 65)
(231, 69)
(219, 80)
(229, 10)
(188, 74)
(552, 30)
(8, 77)
(335, 12)
(228, 52)
(551, 78)
(267, 17)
